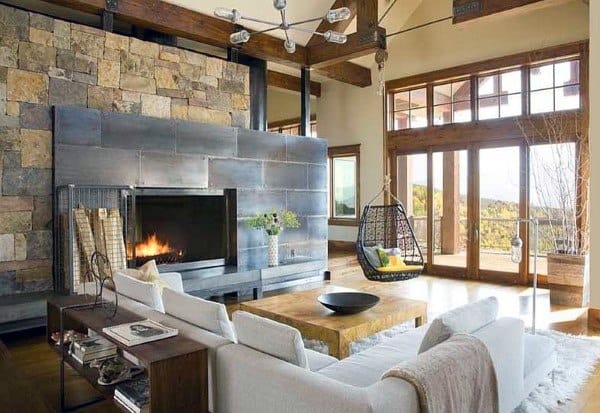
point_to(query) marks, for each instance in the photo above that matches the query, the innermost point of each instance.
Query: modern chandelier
(243, 35)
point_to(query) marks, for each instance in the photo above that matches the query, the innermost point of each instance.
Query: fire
(151, 247)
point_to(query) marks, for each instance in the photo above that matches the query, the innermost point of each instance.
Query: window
(554, 87)
(452, 102)
(499, 95)
(344, 175)
(292, 126)
(409, 109)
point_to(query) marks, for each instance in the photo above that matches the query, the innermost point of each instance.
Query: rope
(387, 181)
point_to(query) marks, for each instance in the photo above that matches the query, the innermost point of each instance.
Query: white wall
(595, 150)
(285, 104)
(347, 114)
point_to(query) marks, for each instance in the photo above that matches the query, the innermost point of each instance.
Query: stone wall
(46, 62)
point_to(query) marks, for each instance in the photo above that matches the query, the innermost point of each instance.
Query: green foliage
(274, 222)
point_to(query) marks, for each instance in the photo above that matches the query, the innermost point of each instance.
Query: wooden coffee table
(302, 311)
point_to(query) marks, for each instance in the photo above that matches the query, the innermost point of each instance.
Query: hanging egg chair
(387, 248)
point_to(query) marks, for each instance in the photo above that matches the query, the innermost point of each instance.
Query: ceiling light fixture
(243, 35)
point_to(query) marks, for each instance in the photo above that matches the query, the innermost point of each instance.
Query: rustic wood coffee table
(302, 311)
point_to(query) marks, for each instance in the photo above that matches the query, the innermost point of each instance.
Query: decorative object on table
(139, 332)
(348, 302)
(243, 35)
(273, 223)
(516, 256)
(101, 274)
(115, 370)
(88, 349)
(134, 395)
(385, 231)
(68, 336)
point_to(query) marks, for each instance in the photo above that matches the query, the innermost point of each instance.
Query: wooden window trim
(285, 123)
(339, 152)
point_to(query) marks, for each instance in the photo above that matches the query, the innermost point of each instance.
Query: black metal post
(258, 87)
(305, 101)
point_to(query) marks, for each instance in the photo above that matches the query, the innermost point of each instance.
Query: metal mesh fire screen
(74, 243)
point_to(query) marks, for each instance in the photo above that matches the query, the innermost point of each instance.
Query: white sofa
(242, 379)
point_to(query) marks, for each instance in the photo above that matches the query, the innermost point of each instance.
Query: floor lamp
(517, 255)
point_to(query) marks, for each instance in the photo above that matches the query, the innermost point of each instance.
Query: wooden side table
(177, 367)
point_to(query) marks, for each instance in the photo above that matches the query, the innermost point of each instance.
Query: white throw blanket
(456, 376)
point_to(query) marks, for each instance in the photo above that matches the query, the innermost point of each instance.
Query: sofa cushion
(205, 314)
(465, 319)
(366, 368)
(145, 292)
(318, 361)
(537, 349)
(270, 337)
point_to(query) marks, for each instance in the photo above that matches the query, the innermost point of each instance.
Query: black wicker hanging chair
(388, 227)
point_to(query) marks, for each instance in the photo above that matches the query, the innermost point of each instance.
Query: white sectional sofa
(244, 379)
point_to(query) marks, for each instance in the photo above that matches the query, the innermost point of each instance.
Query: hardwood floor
(39, 365)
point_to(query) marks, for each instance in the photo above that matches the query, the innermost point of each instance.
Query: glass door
(449, 210)
(498, 203)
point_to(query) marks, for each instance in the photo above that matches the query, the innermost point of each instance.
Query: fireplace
(184, 229)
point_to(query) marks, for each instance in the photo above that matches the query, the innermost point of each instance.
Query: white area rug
(577, 357)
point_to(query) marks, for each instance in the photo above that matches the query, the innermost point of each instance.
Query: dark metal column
(258, 87)
(305, 101)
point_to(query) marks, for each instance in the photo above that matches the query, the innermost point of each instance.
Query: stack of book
(92, 348)
(133, 395)
(139, 332)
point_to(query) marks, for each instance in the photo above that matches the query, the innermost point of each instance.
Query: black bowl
(348, 302)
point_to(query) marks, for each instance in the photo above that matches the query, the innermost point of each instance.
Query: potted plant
(560, 187)
(273, 223)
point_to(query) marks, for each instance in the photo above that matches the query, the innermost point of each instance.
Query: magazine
(134, 394)
(139, 332)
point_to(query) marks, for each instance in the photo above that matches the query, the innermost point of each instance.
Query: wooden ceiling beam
(366, 16)
(465, 10)
(358, 45)
(289, 82)
(347, 72)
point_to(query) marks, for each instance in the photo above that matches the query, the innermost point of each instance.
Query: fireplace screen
(179, 229)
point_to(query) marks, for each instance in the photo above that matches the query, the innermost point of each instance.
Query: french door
(463, 203)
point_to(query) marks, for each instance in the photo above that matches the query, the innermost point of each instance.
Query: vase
(273, 250)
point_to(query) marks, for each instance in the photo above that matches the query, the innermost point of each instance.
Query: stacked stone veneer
(46, 62)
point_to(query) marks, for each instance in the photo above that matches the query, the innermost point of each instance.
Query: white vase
(273, 250)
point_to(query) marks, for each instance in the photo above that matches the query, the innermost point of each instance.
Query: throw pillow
(372, 256)
(149, 270)
(466, 319)
(270, 337)
(383, 257)
(205, 314)
(145, 292)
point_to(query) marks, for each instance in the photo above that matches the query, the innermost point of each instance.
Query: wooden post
(451, 203)
(305, 101)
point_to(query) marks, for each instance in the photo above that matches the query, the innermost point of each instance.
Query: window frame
(498, 73)
(553, 88)
(285, 126)
(344, 151)
(393, 111)
(451, 82)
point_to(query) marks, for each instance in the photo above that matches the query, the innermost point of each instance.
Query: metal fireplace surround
(264, 171)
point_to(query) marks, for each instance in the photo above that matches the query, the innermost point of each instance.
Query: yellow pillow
(400, 268)
(150, 274)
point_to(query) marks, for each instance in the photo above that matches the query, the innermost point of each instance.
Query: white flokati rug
(576, 355)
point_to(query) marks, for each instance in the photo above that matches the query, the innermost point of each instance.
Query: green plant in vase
(273, 223)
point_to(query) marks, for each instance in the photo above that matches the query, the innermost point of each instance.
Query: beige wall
(595, 148)
(352, 115)
(284, 104)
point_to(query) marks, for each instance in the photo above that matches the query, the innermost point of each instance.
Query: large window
(409, 109)
(344, 170)
(452, 102)
(554, 87)
(499, 95)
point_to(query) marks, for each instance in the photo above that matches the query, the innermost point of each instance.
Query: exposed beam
(358, 45)
(465, 10)
(289, 82)
(340, 26)
(347, 72)
(366, 16)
